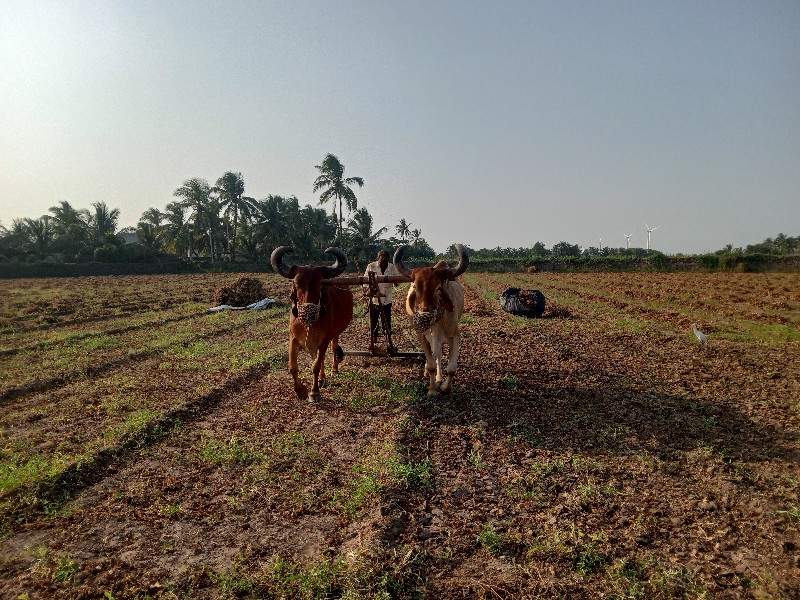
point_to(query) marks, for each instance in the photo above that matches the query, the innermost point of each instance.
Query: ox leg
(437, 348)
(338, 354)
(299, 388)
(435, 366)
(430, 364)
(318, 367)
(447, 384)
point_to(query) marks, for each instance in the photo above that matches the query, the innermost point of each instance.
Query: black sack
(532, 306)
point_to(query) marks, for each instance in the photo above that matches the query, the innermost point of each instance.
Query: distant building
(130, 237)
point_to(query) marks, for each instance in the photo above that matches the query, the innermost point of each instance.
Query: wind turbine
(649, 231)
(627, 240)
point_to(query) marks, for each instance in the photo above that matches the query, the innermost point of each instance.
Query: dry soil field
(151, 449)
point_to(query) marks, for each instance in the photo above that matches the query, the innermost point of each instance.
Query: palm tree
(70, 226)
(416, 235)
(196, 195)
(68, 221)
(363, 241)
(40, 234)
(402, 229)
(103, 221)
(271, 223)
(230, 188)
(336, 186)
(152, 216)
(176, 228)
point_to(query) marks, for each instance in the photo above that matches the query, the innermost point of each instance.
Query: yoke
(372, 280)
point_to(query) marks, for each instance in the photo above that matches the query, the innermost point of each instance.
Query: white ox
(435, 302)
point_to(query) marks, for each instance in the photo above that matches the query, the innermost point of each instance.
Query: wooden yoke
(361, 280)
(372, 281)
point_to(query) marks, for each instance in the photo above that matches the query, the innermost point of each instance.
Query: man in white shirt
(382, 266)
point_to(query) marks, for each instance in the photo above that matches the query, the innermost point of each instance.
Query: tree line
(215, 223)
(220, 222)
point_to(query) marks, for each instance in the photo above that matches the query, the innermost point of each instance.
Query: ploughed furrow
(91, 421)
(475, 303)
(104, 362)
(51, 492)
(762, 290)
(38, 304)
(75, 307)
(89, 334)
(673, 317)
(711, 322)
(245, 478)
(688, 297)
(106, 316)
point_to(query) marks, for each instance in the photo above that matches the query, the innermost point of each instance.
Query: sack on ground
(526, 303)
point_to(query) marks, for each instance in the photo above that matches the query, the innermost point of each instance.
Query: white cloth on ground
(260, 305)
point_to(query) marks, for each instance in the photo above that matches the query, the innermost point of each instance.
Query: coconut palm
(40, 234)
(103, 221)
(66, 220)
(332, 180)
(363, 242)
(403, 230)
(230, 188)
(152, 216)
(270, 217)
(176, 228)
(196, 195)
(70, 226)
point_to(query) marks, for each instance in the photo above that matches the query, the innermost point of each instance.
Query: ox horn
(398, 261)
(463, 262)
(337, 267)
(276, 259)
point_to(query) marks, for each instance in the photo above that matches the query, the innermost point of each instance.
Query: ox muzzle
(424, 320)
(308, 313)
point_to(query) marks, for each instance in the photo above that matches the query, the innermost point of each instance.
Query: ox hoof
(433, 393)
(314, 398)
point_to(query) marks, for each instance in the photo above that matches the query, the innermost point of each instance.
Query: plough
(371, 281)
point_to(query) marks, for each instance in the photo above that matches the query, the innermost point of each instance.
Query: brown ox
(319, 314)
(435, 302)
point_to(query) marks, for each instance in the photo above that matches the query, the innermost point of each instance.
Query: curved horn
(398, 261)
(337, 267)
(463, 262)
(276, 260)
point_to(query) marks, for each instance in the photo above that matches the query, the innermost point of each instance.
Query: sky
(485, 123)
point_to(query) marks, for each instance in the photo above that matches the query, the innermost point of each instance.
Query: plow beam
(361, 280)
(390, 354)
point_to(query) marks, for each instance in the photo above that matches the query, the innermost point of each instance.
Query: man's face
(383, 260)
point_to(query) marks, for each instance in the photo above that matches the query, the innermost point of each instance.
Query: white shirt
(384, 288)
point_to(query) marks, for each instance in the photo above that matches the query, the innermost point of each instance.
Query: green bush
(106, 253)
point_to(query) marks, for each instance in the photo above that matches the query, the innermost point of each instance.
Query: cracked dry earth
(599, 451)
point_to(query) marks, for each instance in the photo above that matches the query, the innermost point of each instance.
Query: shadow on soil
(608, 418)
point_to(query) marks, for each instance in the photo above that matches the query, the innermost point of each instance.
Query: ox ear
(446, 301)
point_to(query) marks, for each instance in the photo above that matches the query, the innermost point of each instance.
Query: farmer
(381, 266)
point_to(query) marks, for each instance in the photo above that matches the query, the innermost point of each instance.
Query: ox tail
(339, 353)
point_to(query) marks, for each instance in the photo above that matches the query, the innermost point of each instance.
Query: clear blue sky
(488, 123)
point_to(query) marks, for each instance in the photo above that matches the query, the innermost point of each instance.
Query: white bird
(700, 335)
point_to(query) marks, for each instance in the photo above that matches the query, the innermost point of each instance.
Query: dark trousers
(375, 317)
